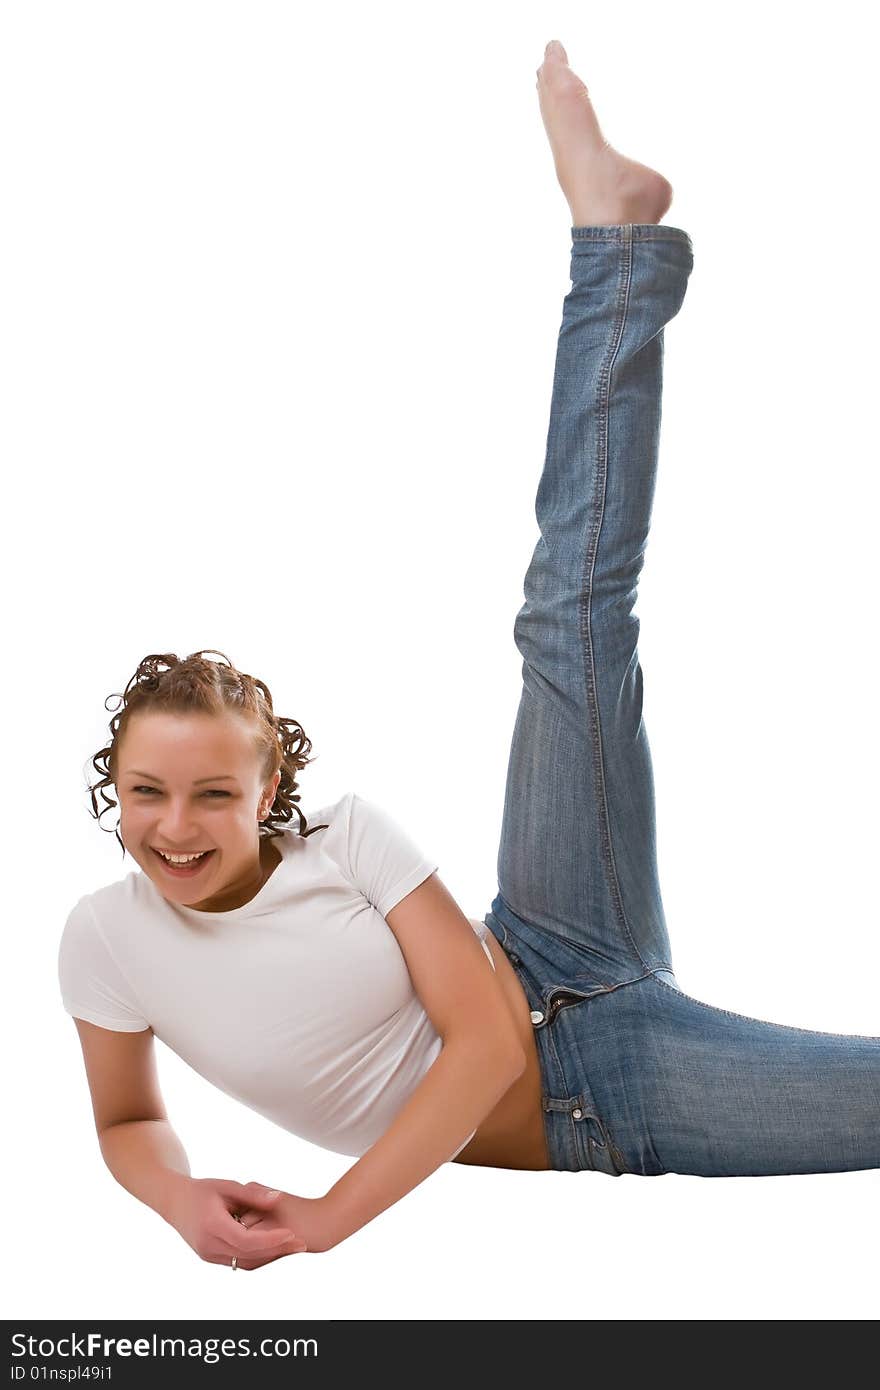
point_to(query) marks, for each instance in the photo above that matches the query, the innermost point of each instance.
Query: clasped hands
(220, 1219)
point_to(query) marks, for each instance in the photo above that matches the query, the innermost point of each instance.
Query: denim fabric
(638, 1077)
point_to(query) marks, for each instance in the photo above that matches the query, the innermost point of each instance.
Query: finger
(249, 1219)
(227, 1188)
(260, 1196)
(256, 1221)
(252, 1194)
(223, 1253)
(241, 1241)
(255, 1242)
(253, 1263)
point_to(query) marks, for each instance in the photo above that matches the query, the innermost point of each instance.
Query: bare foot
(601, 186)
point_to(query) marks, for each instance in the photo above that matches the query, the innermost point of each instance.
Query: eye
(214, 791)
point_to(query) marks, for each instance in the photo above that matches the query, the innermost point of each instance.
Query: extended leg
(685, 1087)
(577, 855)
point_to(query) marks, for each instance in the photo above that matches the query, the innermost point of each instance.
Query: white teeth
(181, 858)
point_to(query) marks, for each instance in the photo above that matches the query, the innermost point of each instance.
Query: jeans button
(537, 1016)
(577, 1114)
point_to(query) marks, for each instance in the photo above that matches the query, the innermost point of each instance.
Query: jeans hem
(631, 231)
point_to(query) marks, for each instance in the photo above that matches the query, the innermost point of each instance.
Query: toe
(555, 58)
(554, 50)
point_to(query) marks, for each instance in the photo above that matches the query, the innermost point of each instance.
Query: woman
(327, 979)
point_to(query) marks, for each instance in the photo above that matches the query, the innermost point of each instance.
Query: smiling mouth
(184, 870)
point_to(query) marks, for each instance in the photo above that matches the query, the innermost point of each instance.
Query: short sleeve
(384, 863)
(92, 985)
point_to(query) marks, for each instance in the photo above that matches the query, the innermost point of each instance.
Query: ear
(269, 795)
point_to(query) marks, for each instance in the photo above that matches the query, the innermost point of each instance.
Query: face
(188, 784)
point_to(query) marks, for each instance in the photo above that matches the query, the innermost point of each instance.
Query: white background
(281, 291)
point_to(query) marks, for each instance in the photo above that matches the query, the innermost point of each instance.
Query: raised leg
(577, 854)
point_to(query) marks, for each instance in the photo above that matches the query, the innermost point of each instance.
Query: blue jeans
(638, 1077)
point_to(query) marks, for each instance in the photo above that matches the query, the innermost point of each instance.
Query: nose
(176, 825)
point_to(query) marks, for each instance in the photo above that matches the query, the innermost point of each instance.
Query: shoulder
(335, 822)
(360, 824)
(382, 859)
(329, 813)
(111, 905)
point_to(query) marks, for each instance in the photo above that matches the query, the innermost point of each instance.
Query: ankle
(611, 214)
(588, 215)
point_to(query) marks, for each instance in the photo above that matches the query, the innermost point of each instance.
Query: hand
(309, 1217)
(206, 1210)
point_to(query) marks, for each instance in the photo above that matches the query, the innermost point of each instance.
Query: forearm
(459, 1090)
(147, 1159)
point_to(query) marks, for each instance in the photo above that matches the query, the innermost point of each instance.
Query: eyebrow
(224, 777)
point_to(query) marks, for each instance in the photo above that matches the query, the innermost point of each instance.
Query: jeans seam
(748, 1018)
(585, 602)
(570, 980)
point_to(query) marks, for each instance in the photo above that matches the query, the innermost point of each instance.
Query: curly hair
(210, 687)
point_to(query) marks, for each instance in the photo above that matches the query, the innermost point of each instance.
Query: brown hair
(210, 687)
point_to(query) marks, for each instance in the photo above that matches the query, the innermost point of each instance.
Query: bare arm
(148, 1160)
(137, 1143)
(465, 1082)
(146, 1157)
(480, 1059)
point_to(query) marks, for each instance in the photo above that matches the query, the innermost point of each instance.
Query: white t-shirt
(299, 1004)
